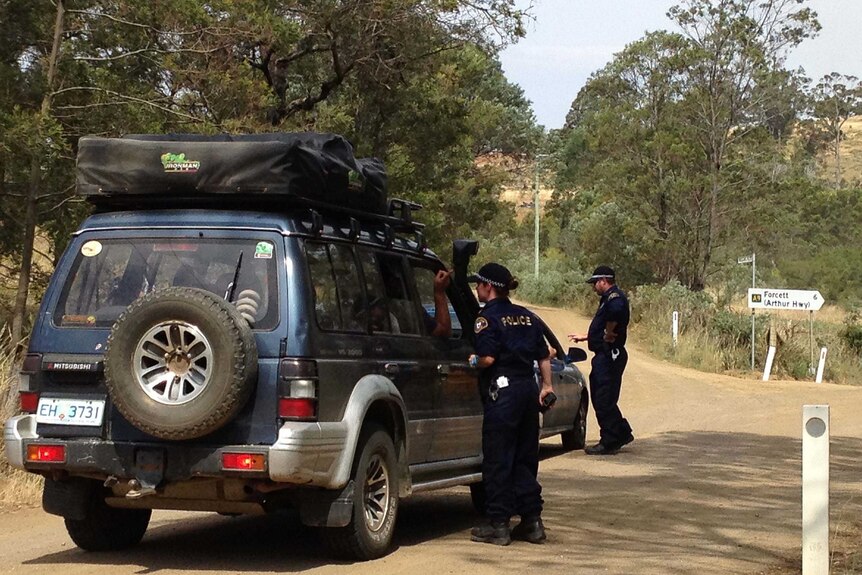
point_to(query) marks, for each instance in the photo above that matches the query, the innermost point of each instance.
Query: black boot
(530, 529)
(601, 449)
(495, 532)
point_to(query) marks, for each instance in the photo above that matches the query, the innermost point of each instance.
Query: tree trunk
(30, 217)
(837, 156)
(19, 312)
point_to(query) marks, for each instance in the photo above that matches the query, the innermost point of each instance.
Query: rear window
(107, 275)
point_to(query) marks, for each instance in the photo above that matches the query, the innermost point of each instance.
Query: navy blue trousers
(510, 447)
(606, 379)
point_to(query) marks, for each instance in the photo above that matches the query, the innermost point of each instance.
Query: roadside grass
(845, 552)
(718, 339)
(17, 488)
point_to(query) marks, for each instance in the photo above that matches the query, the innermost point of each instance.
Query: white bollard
(770, 357)
(675, 327)
(821, 365)
(815, 490)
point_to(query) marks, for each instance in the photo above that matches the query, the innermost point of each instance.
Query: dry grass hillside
(851, 154)
(522, 183)
(521, 188)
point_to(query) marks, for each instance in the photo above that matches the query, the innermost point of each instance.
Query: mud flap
(69, 498)
(327, 508)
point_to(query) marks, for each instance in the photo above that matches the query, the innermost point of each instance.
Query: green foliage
(414, 83)
(851, 334)
(691, 186)
(653, 306)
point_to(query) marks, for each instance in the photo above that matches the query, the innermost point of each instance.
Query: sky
(571, 39)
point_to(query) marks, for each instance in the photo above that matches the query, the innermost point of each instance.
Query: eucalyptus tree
(835, 99)
(113, 66)
(735, 48)
(680, 131)
(628, 142)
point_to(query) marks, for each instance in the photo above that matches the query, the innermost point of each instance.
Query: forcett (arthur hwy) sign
(784, 299)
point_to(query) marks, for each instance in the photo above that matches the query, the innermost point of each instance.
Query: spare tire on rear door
(180, 363)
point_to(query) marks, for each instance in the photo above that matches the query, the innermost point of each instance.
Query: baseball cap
(601, 272)
(492, 273)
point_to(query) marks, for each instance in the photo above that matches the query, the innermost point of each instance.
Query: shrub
(851, 335)
(17, 488)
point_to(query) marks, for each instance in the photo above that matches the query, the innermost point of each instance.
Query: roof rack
(400, 219)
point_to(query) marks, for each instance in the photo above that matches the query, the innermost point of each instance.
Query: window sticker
(263, 250)
(91, 248)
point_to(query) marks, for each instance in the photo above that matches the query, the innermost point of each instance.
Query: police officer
(509, 339)
(607, 338)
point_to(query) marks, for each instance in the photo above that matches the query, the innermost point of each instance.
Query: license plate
(57, 411)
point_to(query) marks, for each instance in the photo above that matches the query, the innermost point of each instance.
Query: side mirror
(462, 251)
(576, 354)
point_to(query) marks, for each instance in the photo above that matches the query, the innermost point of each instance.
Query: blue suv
(246, 325)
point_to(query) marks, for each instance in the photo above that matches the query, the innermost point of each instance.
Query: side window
(337, 289)
(390, 308)
(348, 287)
(377, 313)
(425, 286)
(398, 293)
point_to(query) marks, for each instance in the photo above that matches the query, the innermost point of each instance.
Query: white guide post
(821, 365)
(675, 327)
(770, 357)
(815, 490)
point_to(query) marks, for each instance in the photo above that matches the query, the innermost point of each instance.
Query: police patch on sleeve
(481, 323)
(613, 295)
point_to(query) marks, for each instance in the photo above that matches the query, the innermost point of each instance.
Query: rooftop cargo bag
(312, 166)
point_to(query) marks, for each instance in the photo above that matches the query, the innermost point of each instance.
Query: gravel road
(711, 485)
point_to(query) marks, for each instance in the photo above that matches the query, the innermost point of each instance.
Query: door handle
(443, 369)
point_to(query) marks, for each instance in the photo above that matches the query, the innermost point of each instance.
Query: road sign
(745, 259)
(784, 299)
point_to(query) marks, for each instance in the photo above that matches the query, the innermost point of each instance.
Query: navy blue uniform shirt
(512, 335)
(614, 306)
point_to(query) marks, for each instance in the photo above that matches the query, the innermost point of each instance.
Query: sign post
(785, 299)
(789, 300)
(745, 260)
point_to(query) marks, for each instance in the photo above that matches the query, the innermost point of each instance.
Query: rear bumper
(304, 454)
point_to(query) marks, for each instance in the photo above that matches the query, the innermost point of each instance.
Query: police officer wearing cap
(607, 339)
(509, 339)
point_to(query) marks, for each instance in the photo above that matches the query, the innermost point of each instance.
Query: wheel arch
(375, 399)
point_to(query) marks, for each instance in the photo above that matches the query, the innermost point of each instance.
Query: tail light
(46, 453)
(243, 461)
(297, 389)
(29, 398)
(297, 408)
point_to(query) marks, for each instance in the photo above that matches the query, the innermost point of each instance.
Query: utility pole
(536, 208)
(536, 212)
(753, 263)
(750, 260)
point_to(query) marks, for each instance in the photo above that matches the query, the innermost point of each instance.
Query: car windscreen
(109, 274)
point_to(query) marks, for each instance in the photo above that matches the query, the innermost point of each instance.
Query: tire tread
(244, 362)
